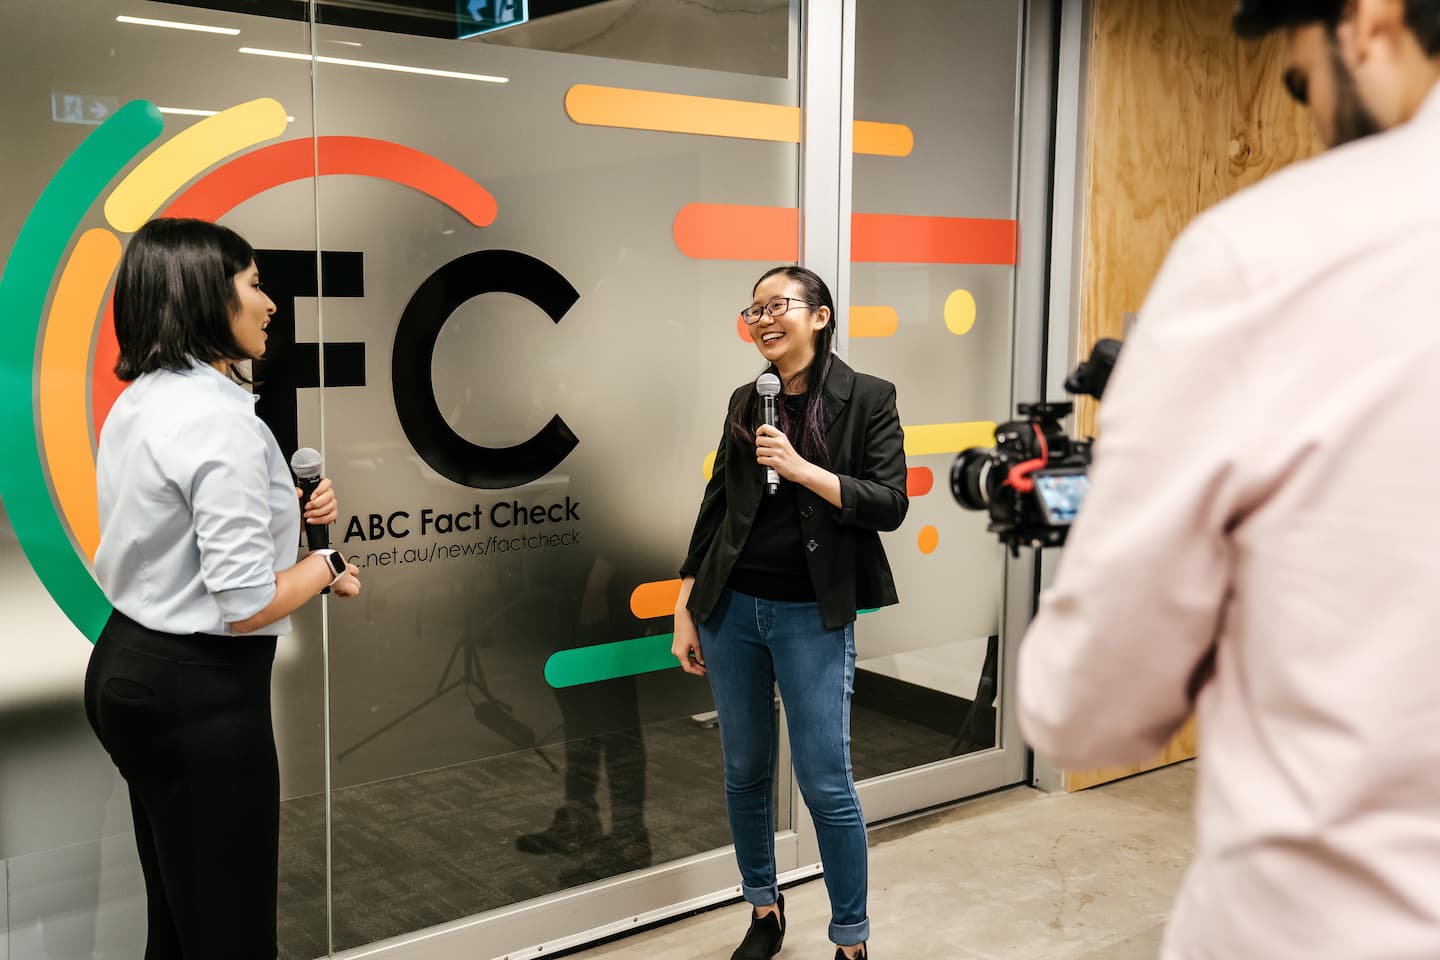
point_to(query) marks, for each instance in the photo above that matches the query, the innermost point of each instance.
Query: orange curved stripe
(629, 109)
(919, 481)
(874, 321)
(724, 231)
(657, 599)
(64, 369)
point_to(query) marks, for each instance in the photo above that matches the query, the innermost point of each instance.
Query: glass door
(937, 281)
(535, 244)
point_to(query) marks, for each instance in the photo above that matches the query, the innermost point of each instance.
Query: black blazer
(842, 546)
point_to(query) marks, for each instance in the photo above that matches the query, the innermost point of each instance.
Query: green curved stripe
(606, 661)
(23, 288)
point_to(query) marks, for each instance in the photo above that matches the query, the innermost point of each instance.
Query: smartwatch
(337, 564)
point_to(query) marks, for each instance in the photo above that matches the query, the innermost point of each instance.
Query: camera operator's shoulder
(1347, 198)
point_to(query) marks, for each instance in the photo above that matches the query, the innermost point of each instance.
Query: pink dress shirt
(1263, 527)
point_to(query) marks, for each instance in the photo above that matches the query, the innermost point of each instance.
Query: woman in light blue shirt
(199, 530)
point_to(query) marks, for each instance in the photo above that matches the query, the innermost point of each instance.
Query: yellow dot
(709, 467)
(929, 540)
(960, 312)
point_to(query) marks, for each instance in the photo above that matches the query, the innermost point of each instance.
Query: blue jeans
(749, 646)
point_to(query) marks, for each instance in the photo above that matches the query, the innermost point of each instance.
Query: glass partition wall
(508, 243)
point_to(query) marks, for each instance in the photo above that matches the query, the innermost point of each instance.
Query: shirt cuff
(242, 603)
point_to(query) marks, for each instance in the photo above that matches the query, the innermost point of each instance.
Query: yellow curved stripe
(873, 321)
(708, 467)
(160, 175)
(947, 437)
(883, 139)
(64, 377)
(927, 439)
(599, 106)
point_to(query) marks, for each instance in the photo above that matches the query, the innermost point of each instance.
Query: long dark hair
(807, 433)
(175, 296)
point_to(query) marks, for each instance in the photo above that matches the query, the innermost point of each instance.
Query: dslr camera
(1034, 479)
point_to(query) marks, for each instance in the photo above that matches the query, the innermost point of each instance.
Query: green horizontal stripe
(606, 661)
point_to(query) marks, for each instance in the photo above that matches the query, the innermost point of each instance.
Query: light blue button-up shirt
(197, 507)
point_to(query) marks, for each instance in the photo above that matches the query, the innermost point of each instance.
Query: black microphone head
(768, 385)
(306, 464)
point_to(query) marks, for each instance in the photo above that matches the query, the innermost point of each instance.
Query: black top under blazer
(842, 545)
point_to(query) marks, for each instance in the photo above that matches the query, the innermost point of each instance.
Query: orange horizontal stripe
(883, 139)
(919, 481)
(722, 231)
(679, 113)
(873, 321)
(657, 599)
(629, 109)
(892, 238)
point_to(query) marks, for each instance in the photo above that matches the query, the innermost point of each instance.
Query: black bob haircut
(1255, 18)
(175, 296)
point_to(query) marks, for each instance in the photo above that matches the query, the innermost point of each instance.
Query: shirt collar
(228, 388)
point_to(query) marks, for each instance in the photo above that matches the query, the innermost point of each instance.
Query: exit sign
(474, 17)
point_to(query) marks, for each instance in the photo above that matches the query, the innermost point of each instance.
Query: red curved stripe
(244, 177)
(919, 481)
(226, 187)
(105, 387)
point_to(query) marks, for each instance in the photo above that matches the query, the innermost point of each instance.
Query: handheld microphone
(768, 386)
(305, 464)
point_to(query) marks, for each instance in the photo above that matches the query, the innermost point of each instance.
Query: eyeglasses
(775, 308)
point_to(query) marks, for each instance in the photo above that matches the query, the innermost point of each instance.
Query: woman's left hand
(772, 449)
(323, 508)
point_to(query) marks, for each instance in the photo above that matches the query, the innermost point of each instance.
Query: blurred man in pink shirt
(1261, 540)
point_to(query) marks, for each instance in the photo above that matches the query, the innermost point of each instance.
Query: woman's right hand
(686, 646)
(349, 584)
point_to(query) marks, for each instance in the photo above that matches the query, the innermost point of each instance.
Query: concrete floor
(1017, 875)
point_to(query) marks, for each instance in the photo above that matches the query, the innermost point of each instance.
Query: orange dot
(929, 540)
(743, 328)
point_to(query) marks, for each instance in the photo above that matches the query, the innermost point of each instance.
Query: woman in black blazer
(771, 585)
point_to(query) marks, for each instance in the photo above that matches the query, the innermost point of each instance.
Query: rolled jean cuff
(849, 934)
(762, 896)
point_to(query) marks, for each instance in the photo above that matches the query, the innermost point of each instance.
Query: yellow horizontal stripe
(935, 438)
(926, 439)
(599, 106)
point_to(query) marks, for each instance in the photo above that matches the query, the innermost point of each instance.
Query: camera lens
(969, 476)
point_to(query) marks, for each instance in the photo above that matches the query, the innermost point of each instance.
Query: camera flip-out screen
(1060, 493)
